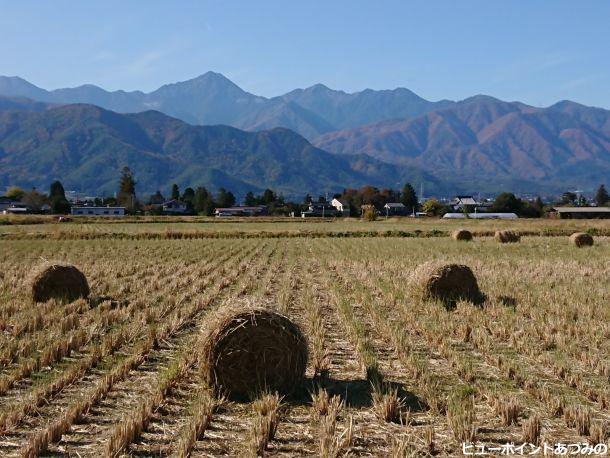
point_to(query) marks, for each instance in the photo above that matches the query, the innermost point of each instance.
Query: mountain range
(213, 99)
(516, 145)
(86, 146)
(367, 137)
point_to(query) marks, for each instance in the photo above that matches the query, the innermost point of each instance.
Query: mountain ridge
(85, 144)
(479, 143)
(211, 98)
(486, 137)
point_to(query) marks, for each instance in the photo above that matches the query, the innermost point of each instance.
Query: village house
(15, 208)
(174, 207)
(461, 203)
(319, 209)
(395, 209)
(342, 207)
(6, 203)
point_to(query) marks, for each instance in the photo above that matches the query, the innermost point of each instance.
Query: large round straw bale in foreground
(507, 236)
(254, 349)
(447, 283)
(581, 239)
(61, 282)
(461, 234)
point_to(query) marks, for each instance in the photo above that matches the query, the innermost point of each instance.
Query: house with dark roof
(6, 203)
(395, 209)
(319, 209)
(461, 203)
(174, 207)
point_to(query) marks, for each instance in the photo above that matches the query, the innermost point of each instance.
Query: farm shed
(16, 209)
(395, 209)
(580, 212)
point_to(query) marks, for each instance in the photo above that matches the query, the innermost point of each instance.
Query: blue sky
(535, 51)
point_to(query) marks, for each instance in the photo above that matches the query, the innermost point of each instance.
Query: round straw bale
(581, 239)
(61, 282)
(447, 283)
(251, 350)
(461, 234)
(507, 236)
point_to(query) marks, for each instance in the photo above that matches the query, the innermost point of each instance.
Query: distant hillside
(213, 99)
(343, 110)
(483, 141)
(22, 104)
(86, 147)
(478, 144)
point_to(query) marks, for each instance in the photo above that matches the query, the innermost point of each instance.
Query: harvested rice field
(389, 371)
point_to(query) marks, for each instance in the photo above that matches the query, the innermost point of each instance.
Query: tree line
(37, 202)
(200, 201)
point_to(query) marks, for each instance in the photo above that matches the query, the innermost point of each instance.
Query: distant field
(231, 227)
(538, 349)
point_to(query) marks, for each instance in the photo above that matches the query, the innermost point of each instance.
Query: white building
(480, 216)
(341, 207)
(98, 211)
(15, 208)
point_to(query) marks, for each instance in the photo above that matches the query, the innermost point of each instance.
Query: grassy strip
(195, 235)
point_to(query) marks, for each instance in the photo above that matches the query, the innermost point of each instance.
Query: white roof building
(480, 216)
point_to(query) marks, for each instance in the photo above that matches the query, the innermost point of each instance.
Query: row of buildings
(460, 207)
(340, 207)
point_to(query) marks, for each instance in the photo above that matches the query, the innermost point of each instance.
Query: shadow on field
(355, 393)
(508, 301)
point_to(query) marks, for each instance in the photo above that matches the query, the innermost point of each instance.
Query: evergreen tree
(175, 192)
(127, 190)
(250, 200)
(57, 199)
(188, 195)
(409, 198)
(225, 198)
(601, 196)
(57, 190)
(202, 201)
(268, 197)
